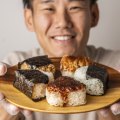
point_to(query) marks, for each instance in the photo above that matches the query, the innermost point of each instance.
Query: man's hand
(110, 113)
(11, 109)
(115, 108)
(3, 69)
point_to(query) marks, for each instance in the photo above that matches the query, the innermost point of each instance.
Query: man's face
(62, 26)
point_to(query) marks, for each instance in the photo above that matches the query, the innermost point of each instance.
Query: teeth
(63, 37)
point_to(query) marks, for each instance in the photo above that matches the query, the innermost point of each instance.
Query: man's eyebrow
(76, 0)
(46, 1)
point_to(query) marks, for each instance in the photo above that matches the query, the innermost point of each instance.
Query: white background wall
(14, 35)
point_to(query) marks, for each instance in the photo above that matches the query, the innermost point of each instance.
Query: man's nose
(63, 20)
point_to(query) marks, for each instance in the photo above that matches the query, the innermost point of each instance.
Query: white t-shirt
(106, 57)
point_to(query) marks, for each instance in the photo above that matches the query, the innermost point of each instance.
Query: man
(62, 28)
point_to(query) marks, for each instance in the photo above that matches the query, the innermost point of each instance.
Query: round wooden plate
(17, 98)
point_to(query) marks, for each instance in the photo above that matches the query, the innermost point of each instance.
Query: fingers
(11, 109)
(110, 113)
(3, 68)
(115, 108)
(26, 113)
(105, 114)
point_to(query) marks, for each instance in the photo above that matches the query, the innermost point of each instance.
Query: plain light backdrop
(14, 34)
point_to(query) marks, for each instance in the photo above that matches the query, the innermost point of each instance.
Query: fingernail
(3, 69)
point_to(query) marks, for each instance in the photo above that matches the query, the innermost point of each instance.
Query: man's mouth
(63, 37)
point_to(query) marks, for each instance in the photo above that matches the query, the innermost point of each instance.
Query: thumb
(115, 108)
(3, 68)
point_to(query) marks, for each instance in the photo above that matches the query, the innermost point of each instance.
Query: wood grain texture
(93, 102)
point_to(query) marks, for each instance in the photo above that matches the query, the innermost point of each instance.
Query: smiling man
(62, 27)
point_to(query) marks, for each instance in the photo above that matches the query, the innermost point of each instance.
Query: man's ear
(94, 15)
(28, 15)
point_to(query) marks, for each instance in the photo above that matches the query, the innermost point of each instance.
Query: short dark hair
(93, 1)
(28, 3)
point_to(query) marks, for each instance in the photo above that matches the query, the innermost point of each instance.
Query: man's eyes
(69, 9)
(49, 9)
(76, 8)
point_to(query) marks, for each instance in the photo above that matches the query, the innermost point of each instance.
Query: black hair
(93, 1)
(28, 3)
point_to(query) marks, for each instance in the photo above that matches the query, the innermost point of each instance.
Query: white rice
(80, 73)
(77, 98)
(39, 91)
(73, 99)
(94, 86)
(54, 98)
(67, 73)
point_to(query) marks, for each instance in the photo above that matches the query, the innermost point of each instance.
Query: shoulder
(17, 56)
(104, 56)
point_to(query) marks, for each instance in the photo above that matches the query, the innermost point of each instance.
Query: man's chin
(62, 53)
